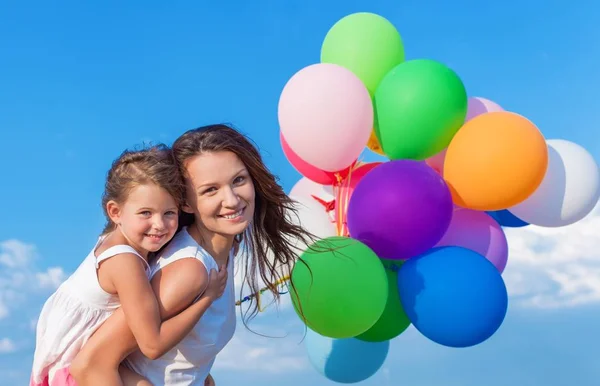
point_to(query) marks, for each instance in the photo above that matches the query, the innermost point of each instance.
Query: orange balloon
(374, 145)
(495, 161)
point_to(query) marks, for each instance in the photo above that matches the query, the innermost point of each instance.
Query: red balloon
(309, 171)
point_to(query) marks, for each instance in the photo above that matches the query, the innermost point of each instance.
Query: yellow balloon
(374, 145)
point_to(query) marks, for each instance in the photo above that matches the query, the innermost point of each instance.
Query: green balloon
(339, 287)
(366, 44)
(394, 320)
(420, 105)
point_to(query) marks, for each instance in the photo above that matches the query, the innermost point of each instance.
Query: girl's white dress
(70, 316)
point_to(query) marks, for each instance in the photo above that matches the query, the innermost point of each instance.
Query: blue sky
(81, 82)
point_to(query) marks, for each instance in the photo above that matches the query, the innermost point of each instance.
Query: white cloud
(19, 276)
(7, 346)
(555, 267)
(16, 254)
(275, 353)
(52, 278)
(3, 307)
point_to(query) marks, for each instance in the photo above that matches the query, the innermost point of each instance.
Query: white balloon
(310, 215)
(305, 188)
(569, 191)
(313, 218)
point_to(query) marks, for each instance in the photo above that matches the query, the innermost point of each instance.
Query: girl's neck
(216, 244)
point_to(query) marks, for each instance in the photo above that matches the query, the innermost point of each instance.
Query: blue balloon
(347, 360)
(507, 219)
(453, 296)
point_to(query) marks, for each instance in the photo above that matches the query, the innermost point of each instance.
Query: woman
(230, 196)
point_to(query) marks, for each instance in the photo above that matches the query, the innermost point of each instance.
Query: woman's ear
(114, 211)
(187, 208)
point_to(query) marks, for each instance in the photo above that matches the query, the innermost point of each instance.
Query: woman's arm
(175, 288)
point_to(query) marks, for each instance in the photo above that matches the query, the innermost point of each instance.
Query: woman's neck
(216, 244)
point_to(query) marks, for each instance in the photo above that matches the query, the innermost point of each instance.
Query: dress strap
(117, 249)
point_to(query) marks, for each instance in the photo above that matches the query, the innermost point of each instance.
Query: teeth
(232, 216)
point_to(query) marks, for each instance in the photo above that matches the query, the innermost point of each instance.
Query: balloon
(373, 144)
(340, 288)
(312, 216)
(326, 116)
(306, 188)
(478, 232)
(393, 321)
(436, 162)
(475, 106)
(507, 219)
(495, 161)
(420, 105)
(345, 360)
(400, 209)
(569, 191)
(307, 170)
(453, 296)
(366, 44)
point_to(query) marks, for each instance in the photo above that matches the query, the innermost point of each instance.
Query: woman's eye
(145, 213)
(239, 180)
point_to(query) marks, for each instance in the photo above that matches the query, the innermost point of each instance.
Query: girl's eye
(171, 213)
(239, 180)
(145, 213)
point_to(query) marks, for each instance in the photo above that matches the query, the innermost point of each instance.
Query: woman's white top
(190, 361)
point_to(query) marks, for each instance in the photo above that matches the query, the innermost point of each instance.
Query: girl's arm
(175, 287)
(141, 309)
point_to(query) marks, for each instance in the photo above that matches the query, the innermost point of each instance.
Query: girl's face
(220, 192)
(148, 218)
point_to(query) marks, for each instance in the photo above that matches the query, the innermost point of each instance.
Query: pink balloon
(307, 170)
(476, 106)
(326, 116)
(437, 162)
(478, 232)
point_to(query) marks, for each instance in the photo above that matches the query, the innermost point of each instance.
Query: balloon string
(261, 291)
(343, 200)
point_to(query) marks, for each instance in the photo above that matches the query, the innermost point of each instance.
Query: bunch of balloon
(417, 239)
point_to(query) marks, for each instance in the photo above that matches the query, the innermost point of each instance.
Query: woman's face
(219, 192)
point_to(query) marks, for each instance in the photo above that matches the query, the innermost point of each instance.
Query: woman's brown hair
(272, 231)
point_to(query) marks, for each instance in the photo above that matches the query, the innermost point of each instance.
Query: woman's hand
(217, 281)
(210, 381)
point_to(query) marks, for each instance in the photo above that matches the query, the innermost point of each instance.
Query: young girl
(229, 192)
(141, 201)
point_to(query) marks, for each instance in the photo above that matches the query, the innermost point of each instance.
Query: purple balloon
(478, 232)
(477, 106)
(400, 209)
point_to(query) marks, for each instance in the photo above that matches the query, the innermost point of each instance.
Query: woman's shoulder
(183, 246)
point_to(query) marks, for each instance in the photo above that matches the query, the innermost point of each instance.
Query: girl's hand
(210, 381)
(216, 283)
